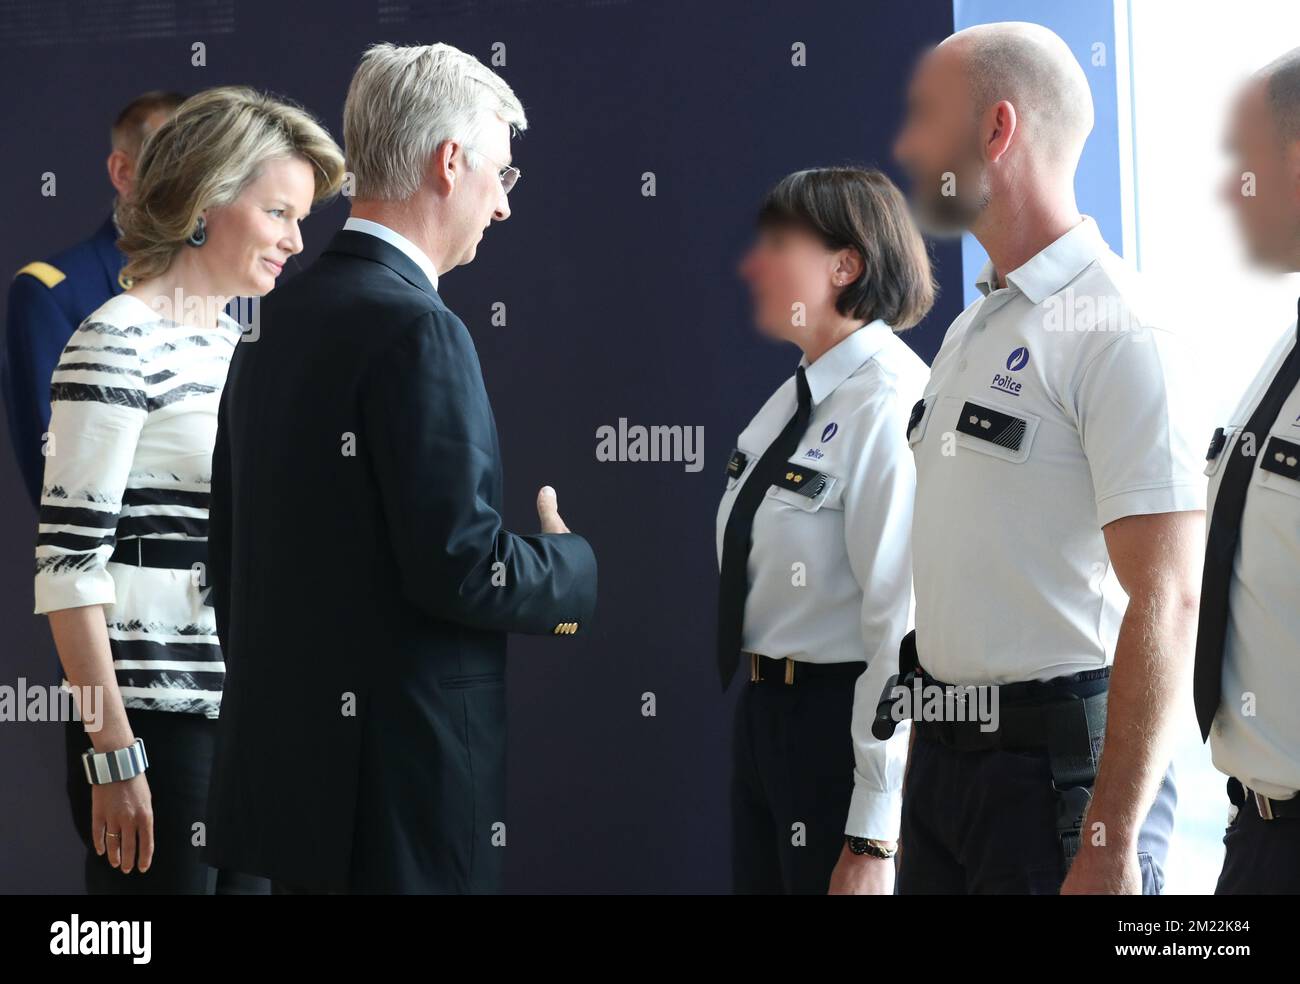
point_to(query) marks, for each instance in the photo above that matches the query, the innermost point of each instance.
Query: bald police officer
(1053, 478)
(49, 298)
(1248, 644)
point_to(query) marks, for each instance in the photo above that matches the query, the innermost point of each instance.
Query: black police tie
(1221, 544)
(733, 586)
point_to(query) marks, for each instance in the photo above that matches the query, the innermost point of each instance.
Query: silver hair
(405, 101)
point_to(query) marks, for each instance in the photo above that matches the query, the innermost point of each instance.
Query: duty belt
(1065, 717)
(1268, 809)
(787, 671)
(1069, 726)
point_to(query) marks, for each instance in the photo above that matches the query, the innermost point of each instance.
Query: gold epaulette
(48, 275)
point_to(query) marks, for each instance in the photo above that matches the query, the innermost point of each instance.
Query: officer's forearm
(1149, 682)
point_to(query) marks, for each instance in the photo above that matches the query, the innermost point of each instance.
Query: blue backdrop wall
(1103, 183)
(617, 306)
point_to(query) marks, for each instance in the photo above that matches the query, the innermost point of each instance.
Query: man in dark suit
(362, 580)
(48, 299)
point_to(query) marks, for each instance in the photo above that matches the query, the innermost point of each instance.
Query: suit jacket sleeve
(219, 542)
(430, 434)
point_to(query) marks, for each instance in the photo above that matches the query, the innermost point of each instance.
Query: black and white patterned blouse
(129, 454)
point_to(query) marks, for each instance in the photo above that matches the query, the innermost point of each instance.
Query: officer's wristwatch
(115, 766)
(871, 848)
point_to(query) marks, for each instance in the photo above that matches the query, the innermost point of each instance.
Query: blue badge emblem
(1018, 359)
(831, 429)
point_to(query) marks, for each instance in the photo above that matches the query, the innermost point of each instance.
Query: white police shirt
(1256, 733)
(830, 573)
(1054, 407)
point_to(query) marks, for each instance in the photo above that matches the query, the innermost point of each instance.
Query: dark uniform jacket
(47, 301)
(364, 586)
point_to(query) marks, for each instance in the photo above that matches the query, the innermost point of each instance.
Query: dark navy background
(618, 306)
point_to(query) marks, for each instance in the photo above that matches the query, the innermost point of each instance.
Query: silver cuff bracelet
(125, 763)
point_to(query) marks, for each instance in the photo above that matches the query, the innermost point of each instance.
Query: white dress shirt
(1256, 734)
(1055, 406)
(830, 575)
(381, 231)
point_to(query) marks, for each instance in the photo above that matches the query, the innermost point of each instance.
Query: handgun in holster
(1075, 733)
(909, 667)
(1075, 727)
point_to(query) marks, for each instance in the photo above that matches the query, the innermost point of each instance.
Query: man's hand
(1104, 871)
(856, 874)
(1157, 559)
(548, 511)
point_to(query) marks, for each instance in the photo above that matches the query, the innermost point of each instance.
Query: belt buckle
(1263, 805)
(756, 668)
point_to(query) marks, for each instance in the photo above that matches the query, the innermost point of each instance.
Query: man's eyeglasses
(507, 173)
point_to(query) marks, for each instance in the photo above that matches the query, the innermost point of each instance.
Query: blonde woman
(220, 191)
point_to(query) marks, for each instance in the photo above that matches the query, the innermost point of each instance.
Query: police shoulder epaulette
(48, 275)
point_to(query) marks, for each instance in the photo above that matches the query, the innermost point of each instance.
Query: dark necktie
(1221, 543)
(733, 585)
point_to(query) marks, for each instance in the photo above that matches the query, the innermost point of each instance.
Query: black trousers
(792, 778)
(1262, 856)
(179, 747)
(984, 822)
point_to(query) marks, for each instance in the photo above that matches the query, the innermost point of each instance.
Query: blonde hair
(406, 101)
(204, 156)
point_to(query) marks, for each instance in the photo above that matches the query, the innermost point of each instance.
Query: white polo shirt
(830, 573)
(1256, 733)
(1054, 407)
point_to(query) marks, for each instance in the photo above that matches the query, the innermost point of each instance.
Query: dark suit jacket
(363, 587)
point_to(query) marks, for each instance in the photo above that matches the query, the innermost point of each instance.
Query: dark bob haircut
(855, 208)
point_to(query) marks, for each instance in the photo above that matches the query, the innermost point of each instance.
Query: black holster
(1075, 731)
(1041, 715)
(884, 725)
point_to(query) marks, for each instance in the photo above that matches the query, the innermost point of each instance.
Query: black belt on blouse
(177, 555)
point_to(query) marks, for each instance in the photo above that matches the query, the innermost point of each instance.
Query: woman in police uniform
(813, 537)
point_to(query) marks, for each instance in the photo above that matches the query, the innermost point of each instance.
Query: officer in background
(1053, 478)
(48, 299)
(813, 537)
(1248, 644)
